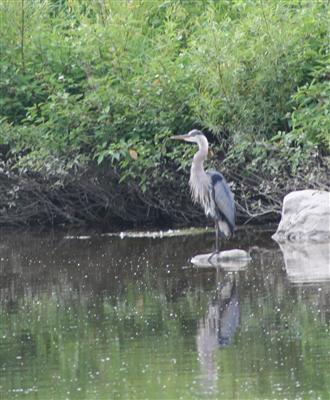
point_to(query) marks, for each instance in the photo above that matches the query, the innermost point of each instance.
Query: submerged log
(233, 260)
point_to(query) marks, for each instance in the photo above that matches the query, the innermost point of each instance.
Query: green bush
(311, 115)
(86, 82)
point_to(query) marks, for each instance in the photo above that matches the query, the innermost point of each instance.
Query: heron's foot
(212, 255)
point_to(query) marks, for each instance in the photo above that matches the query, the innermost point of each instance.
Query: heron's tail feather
(224, 228)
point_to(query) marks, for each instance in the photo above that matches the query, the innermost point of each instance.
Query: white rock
(305, 216)
(233, 260)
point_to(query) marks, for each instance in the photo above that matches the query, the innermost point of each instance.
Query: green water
(111, 318)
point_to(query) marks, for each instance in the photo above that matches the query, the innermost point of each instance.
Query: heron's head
(194, 136)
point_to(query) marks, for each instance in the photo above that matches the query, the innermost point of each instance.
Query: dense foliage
(106, 83)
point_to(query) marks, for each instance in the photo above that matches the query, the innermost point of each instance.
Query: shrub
(104, 84)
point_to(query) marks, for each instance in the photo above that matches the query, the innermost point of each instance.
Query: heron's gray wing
(223, 197)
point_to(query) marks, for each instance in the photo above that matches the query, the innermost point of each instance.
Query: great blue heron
(210, 189)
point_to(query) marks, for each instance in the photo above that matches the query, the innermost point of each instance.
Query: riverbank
(96, 197)
(90, 95)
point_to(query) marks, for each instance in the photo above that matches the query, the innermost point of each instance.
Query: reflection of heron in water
(217, 329)
(229, 316)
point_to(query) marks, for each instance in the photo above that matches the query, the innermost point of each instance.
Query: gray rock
(231, 260)
(305, 217)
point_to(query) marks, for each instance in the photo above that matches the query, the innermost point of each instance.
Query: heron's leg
(216, 237)
(216, 243)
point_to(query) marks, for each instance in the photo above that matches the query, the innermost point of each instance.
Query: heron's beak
(179, 137)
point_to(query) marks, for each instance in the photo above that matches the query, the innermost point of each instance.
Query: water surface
(110, 318)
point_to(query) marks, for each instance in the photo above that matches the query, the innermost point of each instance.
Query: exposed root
(96, 197)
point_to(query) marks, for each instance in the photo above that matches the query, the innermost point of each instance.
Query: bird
(210, 189)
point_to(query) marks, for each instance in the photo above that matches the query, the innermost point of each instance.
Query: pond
(129, 317)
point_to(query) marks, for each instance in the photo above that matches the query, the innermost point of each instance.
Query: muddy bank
(90, 197)
(96, 197)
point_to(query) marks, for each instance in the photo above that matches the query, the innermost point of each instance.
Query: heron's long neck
(197, 166)
(199, 182)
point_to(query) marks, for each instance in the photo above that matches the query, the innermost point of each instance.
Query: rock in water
(233, 260)
(305, 216)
